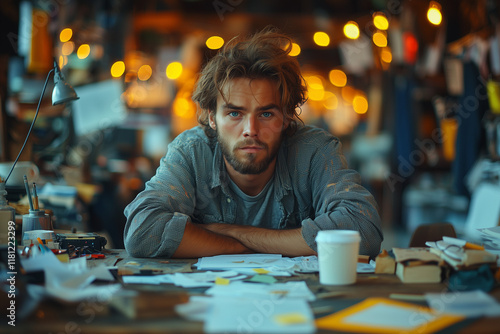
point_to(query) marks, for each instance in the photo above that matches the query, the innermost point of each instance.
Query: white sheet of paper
(249, 315)
(475, 303)
(149, 279)
(203, 279)
(400, 317)
(238, 261)
(186, 280)
(288, 290)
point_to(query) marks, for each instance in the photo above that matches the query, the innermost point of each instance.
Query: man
(252, 177)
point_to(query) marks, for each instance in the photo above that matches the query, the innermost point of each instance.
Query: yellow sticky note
(261, 271)
(290, 318)
(221, 281)
(63, 257)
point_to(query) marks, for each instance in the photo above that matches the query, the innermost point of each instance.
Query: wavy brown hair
(264, 55)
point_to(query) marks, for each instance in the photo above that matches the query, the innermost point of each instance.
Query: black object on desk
(91, 240)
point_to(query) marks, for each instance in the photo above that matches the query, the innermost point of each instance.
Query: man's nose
(251, 127)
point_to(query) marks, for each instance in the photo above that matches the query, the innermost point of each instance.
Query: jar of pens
(36, 219)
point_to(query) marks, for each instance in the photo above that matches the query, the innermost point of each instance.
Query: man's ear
(211, 119)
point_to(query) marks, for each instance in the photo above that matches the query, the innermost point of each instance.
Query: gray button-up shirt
(312, 184)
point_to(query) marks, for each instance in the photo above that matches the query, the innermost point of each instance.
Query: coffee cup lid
(338, 236)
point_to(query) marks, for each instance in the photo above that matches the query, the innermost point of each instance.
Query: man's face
(249, 124)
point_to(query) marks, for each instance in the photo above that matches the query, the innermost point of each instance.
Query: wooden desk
(98, 317)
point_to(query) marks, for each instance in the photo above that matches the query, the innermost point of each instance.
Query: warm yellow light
(295, 51)
(360, 104)
(380, 21)
(321, 38)
(144, 72)
(214, 42)
(65, 35)
(330, 101)
(338, 78)
(386, 55)
(83, 51)
(434, 13)
(380, 39)
(183, 108)
(67, 48)
(348, 94)
(314, 82)
(351, 30)
(316, 94)
(63, 60)
(117, 69)
(174, 70)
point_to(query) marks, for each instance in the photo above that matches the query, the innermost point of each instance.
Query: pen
(28, 191)
(35, 197)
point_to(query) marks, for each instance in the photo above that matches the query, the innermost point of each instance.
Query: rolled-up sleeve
(339, 200)
(157, 217)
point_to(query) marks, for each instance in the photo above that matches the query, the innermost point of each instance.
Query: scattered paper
(254, 315)
(288, 290)
(70, 281)
(271, 264)
(475, 303)
(238, 261)
(149, 279)
(185, 280)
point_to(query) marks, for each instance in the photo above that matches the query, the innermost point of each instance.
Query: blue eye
(267, 114)
(234, 113)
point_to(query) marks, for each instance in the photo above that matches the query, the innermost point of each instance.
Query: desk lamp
(62, 93)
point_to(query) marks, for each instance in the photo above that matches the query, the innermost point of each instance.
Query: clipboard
(382, 315)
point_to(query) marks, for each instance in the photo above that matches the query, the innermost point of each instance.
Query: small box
(385, 263)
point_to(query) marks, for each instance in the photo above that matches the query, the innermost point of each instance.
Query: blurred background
(411, 87)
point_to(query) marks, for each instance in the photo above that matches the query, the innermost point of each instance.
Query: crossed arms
(171, 217)
(217, 238)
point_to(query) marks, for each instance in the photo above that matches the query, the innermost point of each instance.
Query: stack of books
(462, 255)
(418, 265)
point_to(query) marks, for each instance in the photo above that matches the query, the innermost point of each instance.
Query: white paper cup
(338, 256)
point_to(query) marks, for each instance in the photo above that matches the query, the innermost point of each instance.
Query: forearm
(199, 242)
(262, 240)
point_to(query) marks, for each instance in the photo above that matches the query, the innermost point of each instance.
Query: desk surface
(97, 317)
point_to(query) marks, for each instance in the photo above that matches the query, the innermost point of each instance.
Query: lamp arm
(32, 124)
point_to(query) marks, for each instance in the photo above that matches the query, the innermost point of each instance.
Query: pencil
(28, 192)
(35, 197)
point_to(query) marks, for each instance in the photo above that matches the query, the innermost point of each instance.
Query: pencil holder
(36, 220)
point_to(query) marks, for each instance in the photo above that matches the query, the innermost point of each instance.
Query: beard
(246, 163)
